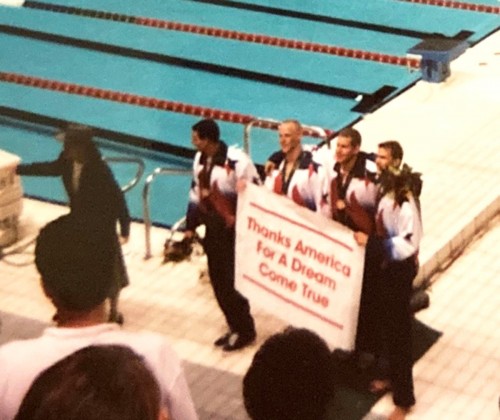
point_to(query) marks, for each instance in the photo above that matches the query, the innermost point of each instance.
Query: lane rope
(141, 101)
(231, 34)
(473, 7)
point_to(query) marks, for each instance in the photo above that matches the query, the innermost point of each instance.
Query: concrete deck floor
(451, 133)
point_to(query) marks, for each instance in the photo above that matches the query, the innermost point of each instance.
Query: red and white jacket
(306, 185)
(359, 192)
(213, 188)
(399, 227)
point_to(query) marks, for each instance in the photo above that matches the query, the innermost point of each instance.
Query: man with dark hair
(290, 378)
(76, 267)
(353, 199)
(217, 169)
(395, 244)
(390, 153)
(353, 192)
(76, 274)
(95, 383)
(94, 196)
(207, 129)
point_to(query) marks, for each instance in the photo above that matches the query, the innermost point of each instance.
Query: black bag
(177, 251)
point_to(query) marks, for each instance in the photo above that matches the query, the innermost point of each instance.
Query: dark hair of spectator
(94, 383)
(77, 136)
(88, 149)
(290, 378)
(353, 134)
(394, 147)
(75, 262)
(207, 130)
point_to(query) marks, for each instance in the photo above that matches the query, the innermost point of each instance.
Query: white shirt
(77, 173)
(402, 226)
(21, 362)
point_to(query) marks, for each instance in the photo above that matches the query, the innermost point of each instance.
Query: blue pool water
(168, 195)
(196, 70)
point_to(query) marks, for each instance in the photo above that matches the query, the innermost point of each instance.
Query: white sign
(298, 265)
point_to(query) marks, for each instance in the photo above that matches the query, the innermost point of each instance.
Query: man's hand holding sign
(298, 265)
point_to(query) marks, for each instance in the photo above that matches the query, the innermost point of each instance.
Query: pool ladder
(180, 224)
(146, 207)
(140, 169)
(145, 194)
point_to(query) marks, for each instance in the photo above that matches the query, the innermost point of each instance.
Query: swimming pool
(168, 198)
(82, 46)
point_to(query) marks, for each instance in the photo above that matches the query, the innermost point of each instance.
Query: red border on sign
(291, 302)
(293, 222)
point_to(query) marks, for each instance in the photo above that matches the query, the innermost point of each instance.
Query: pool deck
(451, 133)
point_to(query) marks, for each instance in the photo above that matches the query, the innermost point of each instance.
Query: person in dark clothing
(95, 199)
(217, 169)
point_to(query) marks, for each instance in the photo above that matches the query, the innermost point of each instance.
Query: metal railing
(146, 207)
(248, 128)
(318, 130)
(140, 169)
(270, 122)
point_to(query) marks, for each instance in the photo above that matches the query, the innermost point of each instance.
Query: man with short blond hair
(295, 174)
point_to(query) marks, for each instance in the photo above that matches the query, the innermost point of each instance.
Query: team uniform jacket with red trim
(359, 193)
(307, 185)
(400, 227)
(395, 246)
(213, 188)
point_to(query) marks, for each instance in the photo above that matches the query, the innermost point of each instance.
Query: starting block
(437, 53)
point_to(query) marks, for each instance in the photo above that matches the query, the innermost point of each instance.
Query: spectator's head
(290, 136)
(348, 146)
(78, 144)
(390, 154)
(75, 262)
(290, 378)
(95, 383)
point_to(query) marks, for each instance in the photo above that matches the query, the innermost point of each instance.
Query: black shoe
(343, 355)
(222, 340)
(238, 341)
(419, 300)
(365, 360)
(118, 318)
